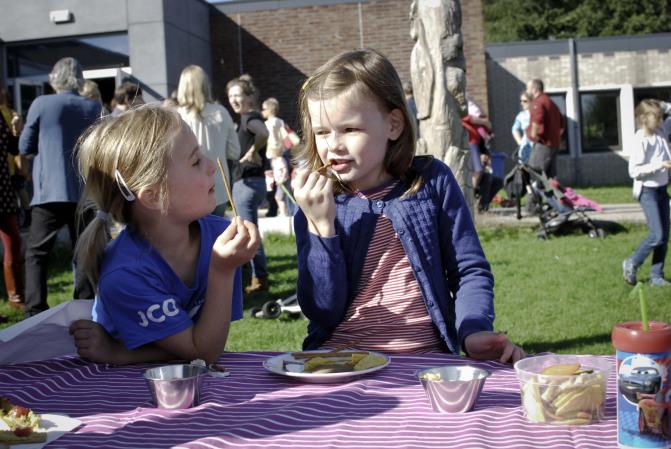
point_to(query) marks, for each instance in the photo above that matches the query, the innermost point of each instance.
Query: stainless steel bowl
(175, 386)
(453, 389)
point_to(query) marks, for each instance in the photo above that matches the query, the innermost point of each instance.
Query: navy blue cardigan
(438, 236)
(53, 126)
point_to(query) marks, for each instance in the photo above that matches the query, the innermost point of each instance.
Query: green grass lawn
(605, 195)
(561, 295)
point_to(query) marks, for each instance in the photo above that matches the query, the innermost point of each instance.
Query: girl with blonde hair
(169, 284)
(650, 167)
(392, 259)
(210, 122)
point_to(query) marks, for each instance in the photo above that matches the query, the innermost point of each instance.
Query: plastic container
(569, 399)
(643, 385)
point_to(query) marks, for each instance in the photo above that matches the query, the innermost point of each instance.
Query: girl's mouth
(340, 164)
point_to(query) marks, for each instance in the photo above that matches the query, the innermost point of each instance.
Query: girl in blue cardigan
(388, 256)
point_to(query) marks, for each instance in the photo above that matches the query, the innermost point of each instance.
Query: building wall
(622, 64)
(279, 46)
(163, 35)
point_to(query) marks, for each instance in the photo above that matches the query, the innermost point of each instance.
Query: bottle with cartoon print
(643, 385)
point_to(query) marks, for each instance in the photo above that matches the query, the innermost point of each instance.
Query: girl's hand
(235, 246)
(487, 345)
(94, 343)
(666, 164)
(314, 194)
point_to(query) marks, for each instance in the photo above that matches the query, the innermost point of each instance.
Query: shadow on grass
(552, 346)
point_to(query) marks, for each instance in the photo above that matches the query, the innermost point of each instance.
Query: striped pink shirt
(388, 314)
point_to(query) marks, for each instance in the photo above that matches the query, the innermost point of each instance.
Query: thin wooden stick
(324, 167)
(327, 355)
(228, 189)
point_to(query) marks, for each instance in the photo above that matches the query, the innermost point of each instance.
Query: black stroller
(548, 200)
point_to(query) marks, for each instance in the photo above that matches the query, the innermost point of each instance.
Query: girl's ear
(150, 198)
(396, 123)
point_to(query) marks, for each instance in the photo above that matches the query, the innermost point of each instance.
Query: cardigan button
(429, 303)
(401, 232)
(418, 269)
(380, 204)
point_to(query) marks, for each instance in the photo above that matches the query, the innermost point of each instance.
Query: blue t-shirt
(140, 298)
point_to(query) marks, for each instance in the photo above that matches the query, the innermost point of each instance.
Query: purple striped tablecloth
(253, 408)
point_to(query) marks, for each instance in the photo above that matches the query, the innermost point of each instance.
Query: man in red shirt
(546, 126)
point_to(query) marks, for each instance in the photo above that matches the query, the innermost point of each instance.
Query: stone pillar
(438, 72)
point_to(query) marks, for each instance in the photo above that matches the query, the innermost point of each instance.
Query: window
(600, 121)
(656, 93)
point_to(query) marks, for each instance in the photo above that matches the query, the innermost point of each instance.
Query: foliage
(527, 20)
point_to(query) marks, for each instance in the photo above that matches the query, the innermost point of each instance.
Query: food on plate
(369, 361)
(564, 394)
(23, 425)
(341, 362)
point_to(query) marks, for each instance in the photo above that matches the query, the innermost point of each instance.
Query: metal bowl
(175, 386)
(453, 389)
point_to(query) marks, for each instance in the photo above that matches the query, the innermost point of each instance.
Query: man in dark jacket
(53, 125)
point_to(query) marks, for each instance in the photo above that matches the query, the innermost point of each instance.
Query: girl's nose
(211, 167)
(333, 141)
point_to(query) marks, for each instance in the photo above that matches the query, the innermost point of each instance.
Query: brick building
(280, 42)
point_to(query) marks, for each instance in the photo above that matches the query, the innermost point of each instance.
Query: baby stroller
(273, 309)
(559, 209)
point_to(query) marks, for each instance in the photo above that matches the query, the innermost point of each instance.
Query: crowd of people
(154, 246)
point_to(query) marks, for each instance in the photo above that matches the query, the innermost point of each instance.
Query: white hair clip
(123, 187)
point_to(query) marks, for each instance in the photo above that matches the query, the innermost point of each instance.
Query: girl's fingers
(311, 181)
(508, 350)
(231, 230)
(328, 187)
(321, 182)
(301, 176)
(254, 235)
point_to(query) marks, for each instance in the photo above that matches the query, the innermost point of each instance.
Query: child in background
(169, 284)
(650, 165)
(388, 256)
(275, 152)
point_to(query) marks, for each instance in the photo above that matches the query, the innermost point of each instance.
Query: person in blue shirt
(53, 125)
(519, 128)
(169, 284)
(430, 263)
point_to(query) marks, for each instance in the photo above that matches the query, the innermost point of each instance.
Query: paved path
(506, 216)
(501, 216)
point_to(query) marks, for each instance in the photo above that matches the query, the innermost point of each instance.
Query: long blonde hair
(194, 90)
(119, 156)
(368, 74)
(645, 107)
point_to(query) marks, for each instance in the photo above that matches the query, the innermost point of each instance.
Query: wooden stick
(228, 189)
(327, 355)
(324, 167)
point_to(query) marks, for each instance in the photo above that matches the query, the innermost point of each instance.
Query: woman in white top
(650, 165)
(211, 123)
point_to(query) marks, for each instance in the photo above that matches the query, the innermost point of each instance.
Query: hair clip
(123, 187)
(102, 215)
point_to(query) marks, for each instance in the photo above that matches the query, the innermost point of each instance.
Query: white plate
(276, 365)
(55, 425)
